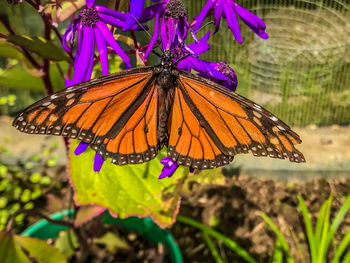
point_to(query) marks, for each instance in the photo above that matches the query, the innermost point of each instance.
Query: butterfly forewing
(224, 124)
(90, 111)
(133, 138)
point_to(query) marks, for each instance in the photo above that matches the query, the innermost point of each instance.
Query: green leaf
(337, 220)
(213, 250)
(10, 51)
(344, 244)
(280, 237)
(224, 239)
(67, 242)
(126, 190)
(9, 251)
(40, 250)
(277, 256)
(42, 47)
(112, 242)
(309, 229)
(325, 228)
(16, 77)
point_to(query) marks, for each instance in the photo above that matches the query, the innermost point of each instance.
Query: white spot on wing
(274, 118)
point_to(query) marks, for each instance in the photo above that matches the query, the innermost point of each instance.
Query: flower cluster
(171, 29)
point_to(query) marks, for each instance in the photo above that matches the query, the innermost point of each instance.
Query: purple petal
(204, 67)
(98, 161)
(91, 61)
(169, 168)
(81, 148)
(232, 21)
(90, 3)
(82, 63)
(154, 37)
(218, 11)
(102, 51)
(111, 20)
(119, 23)
(166, 161)
(136, 7)
(113, 13)
(255, 23)
(184, 65)
(171, 31)
(203, 14)
(163, 33)
(67, 37)
(108, 36)
(201, 46)
(182, 28)
(149, 12)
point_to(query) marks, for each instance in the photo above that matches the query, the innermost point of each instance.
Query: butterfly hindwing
(133, 138)
(230, 122)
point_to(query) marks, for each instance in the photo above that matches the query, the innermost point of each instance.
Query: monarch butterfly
(129, 116)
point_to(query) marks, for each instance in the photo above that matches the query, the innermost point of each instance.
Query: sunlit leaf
(126, 190)
(40, 250)
(40, 46)
(112, 242)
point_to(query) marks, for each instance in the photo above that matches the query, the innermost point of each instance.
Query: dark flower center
(89, 17)
(175, 9)
(225, 69)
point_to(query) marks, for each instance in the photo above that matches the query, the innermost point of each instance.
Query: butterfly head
(167, 59)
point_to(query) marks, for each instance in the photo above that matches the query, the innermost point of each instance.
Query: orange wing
(116, 115)
(210, 124)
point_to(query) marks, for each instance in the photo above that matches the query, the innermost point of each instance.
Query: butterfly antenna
(206, 24)
(150, 37)
(156, 53)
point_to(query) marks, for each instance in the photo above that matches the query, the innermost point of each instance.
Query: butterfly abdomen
(165, 92)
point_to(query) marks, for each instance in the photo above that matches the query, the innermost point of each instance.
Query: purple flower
(188, 59)
(228, 9)
(91, 27)
(222, 67)
(169, 167)
(169, 14)
(98, 161)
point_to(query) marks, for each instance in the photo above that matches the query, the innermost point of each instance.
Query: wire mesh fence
(302, 72)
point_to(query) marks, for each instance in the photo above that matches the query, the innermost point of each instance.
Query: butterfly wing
(210, 124)
(116, 115)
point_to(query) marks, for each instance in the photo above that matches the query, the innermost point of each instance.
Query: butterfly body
(129, 116)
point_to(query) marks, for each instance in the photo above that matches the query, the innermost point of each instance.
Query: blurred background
(301, 74)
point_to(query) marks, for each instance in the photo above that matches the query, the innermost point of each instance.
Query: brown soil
(237, 206)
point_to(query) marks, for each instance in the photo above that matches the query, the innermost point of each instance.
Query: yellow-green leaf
(126, 190)
(9, 251)
(40, 250)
